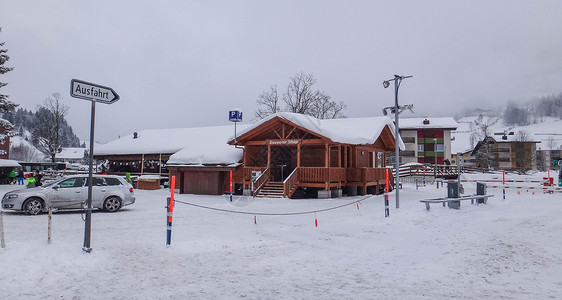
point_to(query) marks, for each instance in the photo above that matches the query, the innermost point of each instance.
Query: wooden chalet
(295, 155)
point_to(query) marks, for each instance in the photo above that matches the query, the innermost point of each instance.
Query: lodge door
(283, 161)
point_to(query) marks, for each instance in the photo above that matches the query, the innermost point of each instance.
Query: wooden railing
(290, 183)
(261, 181)
(438, 170)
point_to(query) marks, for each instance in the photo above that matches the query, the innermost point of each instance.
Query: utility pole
(397, 80)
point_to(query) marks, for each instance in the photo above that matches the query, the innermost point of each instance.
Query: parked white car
(109, 193)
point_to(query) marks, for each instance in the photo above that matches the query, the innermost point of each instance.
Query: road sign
(93, 92)
(235, 116)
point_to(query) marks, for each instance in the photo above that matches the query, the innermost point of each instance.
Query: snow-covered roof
(208, 145)
(71, 153)
(6, 163)
(418, 123)
(356, 131)
(196, 145)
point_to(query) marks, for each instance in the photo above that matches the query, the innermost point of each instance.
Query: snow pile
(507, 249)
(9, 163)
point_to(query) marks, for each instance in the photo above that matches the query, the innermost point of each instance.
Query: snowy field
(508, 249)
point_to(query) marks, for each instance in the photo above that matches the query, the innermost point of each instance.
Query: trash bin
(480, 188)
(452, 189)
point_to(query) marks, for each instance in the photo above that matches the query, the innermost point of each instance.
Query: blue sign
(235, 116)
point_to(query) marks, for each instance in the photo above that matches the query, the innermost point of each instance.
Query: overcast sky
(186, 63)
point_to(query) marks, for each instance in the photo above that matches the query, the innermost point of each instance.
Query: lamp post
(397, 80)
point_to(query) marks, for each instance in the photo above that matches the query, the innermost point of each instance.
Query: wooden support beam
(268, 155)
(298, 155)
(339, 156)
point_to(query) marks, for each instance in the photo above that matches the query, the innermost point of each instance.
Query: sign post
(235, 115)
(94, 93)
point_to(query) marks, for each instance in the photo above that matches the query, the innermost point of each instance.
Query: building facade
(426, 140)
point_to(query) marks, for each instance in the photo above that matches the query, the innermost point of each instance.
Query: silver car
(109, 193)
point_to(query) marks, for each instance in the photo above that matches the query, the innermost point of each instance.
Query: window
(112, 181)
(439, 148)
(98, 181)
(380, 159)
(420, 147)
(72, 182)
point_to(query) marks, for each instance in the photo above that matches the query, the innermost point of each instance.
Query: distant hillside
(546, 130)
(23, 147)
(536, 119)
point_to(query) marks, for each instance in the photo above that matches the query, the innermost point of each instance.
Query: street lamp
(396, 110)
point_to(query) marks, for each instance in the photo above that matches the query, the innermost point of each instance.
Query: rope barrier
(274, 214)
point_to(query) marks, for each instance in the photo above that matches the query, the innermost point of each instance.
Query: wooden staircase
(271, 190)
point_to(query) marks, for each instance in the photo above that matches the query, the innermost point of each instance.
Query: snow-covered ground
(507, 249)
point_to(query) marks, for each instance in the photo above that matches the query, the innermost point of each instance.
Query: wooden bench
(455, 203)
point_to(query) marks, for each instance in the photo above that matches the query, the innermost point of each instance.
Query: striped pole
(386, 210)
(170, 212)
(2, 241)
(49, 225)
(230, 185)
(503, 182)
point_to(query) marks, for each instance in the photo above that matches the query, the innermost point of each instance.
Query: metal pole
(88, 227)
(459, 168)
(396, 155)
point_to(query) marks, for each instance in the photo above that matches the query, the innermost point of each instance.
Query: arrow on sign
(94, 92)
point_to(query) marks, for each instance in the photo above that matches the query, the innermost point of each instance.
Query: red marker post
(171, 211)
(503, 182)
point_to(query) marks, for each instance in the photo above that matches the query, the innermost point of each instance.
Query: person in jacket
(30, 182)
(12, 177)
(38, 178)
(20, 177)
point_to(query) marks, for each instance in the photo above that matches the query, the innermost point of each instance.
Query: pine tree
(5, 105)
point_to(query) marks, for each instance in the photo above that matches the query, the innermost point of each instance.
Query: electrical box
(452, 189)
(480, 188)
(255, 175)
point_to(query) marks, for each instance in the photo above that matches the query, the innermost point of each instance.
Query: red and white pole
(503, 182)
(171, 211)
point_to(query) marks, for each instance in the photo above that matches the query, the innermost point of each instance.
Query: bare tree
(522, 136)
(47, 134)
(324, 108)
(268, 103)
(300, 97)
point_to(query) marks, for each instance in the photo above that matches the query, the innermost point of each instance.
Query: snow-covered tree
(5, 105)
(48, 130)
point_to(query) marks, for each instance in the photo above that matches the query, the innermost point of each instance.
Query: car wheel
(112, 204)
(33, 206)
